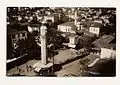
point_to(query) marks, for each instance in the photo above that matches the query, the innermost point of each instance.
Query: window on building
(14, 41)
(23, 34)
(96, 30)
(90, 29)
(66, 29)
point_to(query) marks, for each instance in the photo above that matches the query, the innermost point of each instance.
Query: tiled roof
(68, 24)
(91, 24)
(95, 24)
(85, 38)
(103, 42)
(106, 38)
(73, 35)
(86, 33)
(71, 24)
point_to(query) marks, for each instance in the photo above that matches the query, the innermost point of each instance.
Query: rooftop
(105, 42)
(85, 38)
(52, 15)
(71, 24)
(73, 35)
(68, 24)
(86, 33)
(96, 24)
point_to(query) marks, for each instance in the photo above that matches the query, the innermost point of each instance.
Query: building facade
(16, 36)
(94, 30)
(54, 18)
(107, 53)
(72, 41)
(67, 27)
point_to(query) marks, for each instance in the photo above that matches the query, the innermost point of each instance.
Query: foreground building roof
(105, 42)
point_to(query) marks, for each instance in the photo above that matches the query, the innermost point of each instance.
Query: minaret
(43, 44)
(77, 24)
(75, 18)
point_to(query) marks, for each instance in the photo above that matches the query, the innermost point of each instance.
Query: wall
(94, 30)
(49, 18)
(107, 53)
(72, 40)
(64, 28)
(18, 36)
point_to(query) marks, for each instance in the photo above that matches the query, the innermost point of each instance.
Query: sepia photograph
(61, 41)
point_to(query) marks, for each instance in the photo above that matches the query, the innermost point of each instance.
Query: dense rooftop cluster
(27, 14)
(70, 32)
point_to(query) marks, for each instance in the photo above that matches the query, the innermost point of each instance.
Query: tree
(28, 46)
(84, 41)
